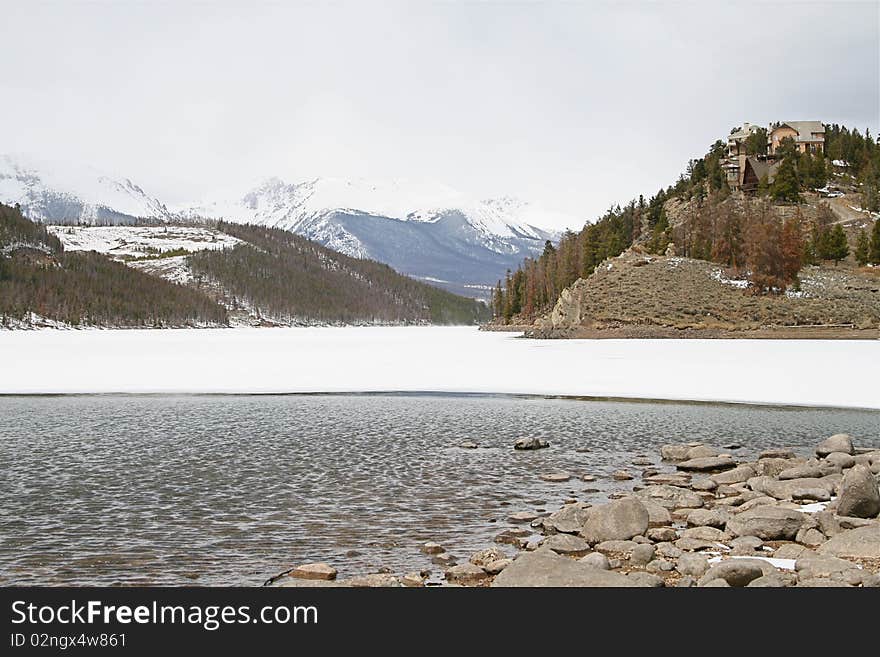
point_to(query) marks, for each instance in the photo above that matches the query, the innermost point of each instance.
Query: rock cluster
(718, 521)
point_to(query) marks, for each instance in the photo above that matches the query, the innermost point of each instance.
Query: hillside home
(808, 136)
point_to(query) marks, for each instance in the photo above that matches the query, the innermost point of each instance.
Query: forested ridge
(744, 234)
(86, 288)
(281, 275)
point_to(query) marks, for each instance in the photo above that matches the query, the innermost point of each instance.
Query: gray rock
(588, 477)
(841, 460)
(671, 497)
(768, 523)
(706, 484)
(746, 543)
(828, 523)
(839, 442)
(810, 537)
(777, 453)
(546, 568)
(618, 520)
(715, 583)
(642, 460)
(530, 443)
(805, 471)
(739, 474)
(642, 539)
(791, 551)
(783, 490)
(413, 580)
(319, 570)
(662, 534)
(556, 477)
(861, 543)
(705, 533)
(641, 555)
(569, 519)
(762, 500)
(819, 582)
(596, 560)
(567, 544)
(707, 464)
(736, 572)
(443, 559)
(621, 475)
(708, 518)
(822, 565)
(687, 582)
(466, 573)
(431, 548)
(646, 579)
(668, 478)
(668, 550)
(692, 564)
(623, 548)
(487, 556)
(771, 581)
(685, 451)
(467, 444)
(811, 494)
(771, 467)
(495, 567)
(694, 544)
(847, 522)
(660, 566)
(859, 495)
(658, 515)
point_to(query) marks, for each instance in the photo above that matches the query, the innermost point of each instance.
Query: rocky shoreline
(718, 519)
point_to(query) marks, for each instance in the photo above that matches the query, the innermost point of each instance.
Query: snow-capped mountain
(428, 231)
(62, 193)
(424, 230)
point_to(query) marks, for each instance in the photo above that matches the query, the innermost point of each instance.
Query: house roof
(742, 134)
(762, 168)
(805, 129)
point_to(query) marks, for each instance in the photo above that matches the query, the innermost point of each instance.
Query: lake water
(226, 490)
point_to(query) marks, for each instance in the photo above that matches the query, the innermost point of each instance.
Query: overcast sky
(575, 106)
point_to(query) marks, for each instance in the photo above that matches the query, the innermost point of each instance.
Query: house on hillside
(808, 136)
(736, 154)
(754, 169)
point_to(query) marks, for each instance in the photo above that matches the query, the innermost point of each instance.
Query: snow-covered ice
(438, 359)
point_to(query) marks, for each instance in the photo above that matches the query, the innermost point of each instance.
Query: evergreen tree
(863, 246)
(785, 185)
(837, 246)
(874, 251)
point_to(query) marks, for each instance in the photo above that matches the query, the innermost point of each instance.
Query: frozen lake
(432, 359)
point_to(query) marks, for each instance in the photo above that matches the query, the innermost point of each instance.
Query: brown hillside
(641, 295)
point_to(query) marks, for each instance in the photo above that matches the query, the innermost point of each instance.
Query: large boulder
(860, 543)
(736, 572)
(769, 523)
(859, 495)
(618, 520)
(466, 573)
(685, 451)
(786, 490)
(569, 519)
(319, 570)
(707, 464)
(839, 442)
(567, 544)
(739, 474)
(546, 568)
(671, 497)
(807, 470)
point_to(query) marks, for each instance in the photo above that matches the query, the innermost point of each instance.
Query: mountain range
(427, 231)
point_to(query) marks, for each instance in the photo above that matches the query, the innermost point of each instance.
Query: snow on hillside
(58, 191)
(140, 240)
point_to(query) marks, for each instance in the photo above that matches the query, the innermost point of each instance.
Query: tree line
(86, 288)
(285, 276)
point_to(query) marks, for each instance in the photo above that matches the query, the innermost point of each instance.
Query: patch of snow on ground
(782, 564)
(140, 240)
(815, 507)
(437, 359)
(718, 275)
